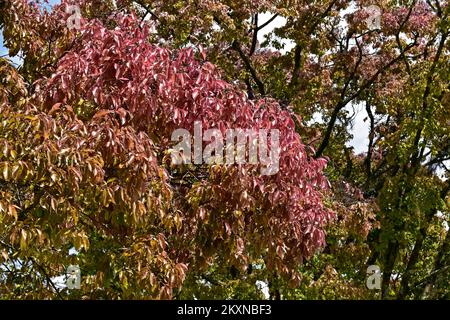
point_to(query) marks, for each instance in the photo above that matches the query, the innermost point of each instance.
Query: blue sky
(3, 50)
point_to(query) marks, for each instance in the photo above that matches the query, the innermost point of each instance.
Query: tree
(85, 165)
(102, 102)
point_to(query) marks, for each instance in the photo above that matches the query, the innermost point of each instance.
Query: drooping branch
(267, 22)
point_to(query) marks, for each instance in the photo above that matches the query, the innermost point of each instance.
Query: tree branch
(248, 64)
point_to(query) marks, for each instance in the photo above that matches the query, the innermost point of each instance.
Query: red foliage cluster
(155, 90)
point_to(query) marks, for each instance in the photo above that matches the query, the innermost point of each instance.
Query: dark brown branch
(148, 10)
(267, 22)
(249, 66)
(297, 65)
(255, 35)
(345, 101)
(338, 107)
(298, 49)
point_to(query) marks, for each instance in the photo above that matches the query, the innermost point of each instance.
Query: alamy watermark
(373, 21)
(374, 277)
(73, 277)
(74, 20)
(240, 146)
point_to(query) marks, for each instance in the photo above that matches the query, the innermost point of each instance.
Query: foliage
(85, 138)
